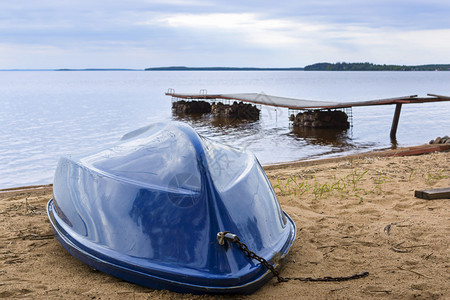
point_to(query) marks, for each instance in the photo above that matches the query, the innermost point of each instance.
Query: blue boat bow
(148, 210)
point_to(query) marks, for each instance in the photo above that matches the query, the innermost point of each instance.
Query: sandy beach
(353, 214)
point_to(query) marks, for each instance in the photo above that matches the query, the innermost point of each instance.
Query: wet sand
(353, 214)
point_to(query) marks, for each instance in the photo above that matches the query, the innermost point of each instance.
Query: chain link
(226, 235)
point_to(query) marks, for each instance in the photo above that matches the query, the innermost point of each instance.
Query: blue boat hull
(145, 278)
(148, 210)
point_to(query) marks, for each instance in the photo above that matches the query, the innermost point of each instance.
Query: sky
(51, 34)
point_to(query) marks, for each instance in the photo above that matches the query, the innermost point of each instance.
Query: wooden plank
(439, 96)
(293, 103)
(443, 193)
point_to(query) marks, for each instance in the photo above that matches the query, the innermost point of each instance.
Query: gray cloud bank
(139, 33)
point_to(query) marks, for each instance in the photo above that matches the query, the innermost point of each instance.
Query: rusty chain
(227, 236)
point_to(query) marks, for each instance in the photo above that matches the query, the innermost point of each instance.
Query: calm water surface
(47, 114)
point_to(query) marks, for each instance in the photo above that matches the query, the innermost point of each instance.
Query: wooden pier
(300, 104)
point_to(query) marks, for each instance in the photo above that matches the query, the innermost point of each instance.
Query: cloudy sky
(263, 33)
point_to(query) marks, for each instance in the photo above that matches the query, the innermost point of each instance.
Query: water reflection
(217, 123)
(239, 128)
(233, 122)
(194, 118)
(331, 142)
(306, 142)
(324, 137)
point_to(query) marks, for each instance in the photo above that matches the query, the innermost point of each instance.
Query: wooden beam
(433, 194)
(439, 96)
(398, 108)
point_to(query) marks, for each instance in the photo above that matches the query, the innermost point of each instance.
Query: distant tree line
(183, 68)
(343, 66)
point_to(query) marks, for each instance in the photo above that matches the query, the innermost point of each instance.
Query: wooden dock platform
(301, 104)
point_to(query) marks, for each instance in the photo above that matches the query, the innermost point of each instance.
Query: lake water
(47, 114)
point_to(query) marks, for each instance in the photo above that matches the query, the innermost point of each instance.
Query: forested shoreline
(366, 66)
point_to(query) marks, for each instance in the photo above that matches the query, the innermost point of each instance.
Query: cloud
(243, 28)
(250, 33)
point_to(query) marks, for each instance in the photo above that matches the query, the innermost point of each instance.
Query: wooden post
(398, 108)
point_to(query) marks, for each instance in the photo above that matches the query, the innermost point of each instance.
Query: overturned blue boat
(149, 210)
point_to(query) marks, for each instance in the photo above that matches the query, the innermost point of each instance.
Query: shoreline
(403, 151)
